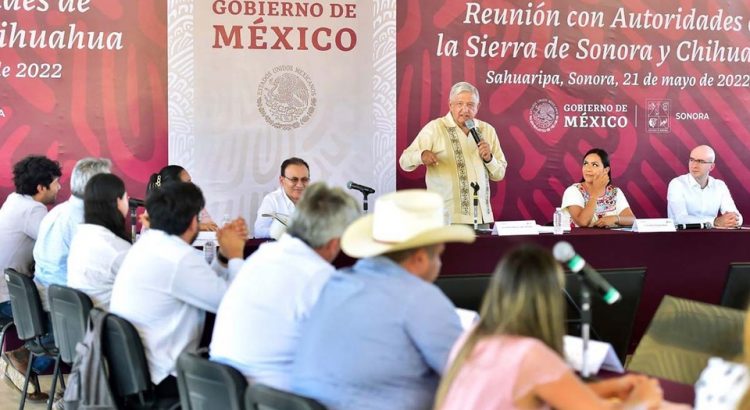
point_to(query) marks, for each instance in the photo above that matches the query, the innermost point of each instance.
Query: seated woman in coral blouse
(595, 202)
(512, 358)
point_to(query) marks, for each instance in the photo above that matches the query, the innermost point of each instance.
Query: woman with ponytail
(176, 173)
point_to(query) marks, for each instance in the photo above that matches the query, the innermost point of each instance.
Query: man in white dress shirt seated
(164, 286)
(257, 326)
(295, 175)
(37, 182)
(697, 197)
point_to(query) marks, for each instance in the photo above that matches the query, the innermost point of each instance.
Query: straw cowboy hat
(402, 220)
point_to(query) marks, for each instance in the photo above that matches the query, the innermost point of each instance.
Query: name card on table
(510, 228)
(467, 317)
(653, 225)
(600, 355)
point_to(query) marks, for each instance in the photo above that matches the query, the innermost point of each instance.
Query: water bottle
(557, 222)
(225, 220)
(209, 251)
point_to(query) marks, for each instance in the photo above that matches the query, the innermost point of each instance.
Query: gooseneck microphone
(135, 203)
(472, 126)
(564, 253)
(361, 188)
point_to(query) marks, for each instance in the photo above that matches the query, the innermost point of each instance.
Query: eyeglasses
(295, 180)
(700, 161)
(461, 105)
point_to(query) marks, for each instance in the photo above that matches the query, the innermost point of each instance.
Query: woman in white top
(594, 201)
(101, 242)
(176, 173)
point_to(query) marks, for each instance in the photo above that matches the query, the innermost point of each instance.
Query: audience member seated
(164, 286)
(724, 385)
(37, 182)
(594, 201)
(697, 197)
(295, 175)
(278, 286)
(59, 225)
(176, 173)
(380, 334)
(101, 242)
(513, 357)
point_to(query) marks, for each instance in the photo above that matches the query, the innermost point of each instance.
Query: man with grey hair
(259, 319)
(459, 152)
(60, 224)
(697, 198)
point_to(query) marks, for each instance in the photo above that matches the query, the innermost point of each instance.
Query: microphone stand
(475, 187)
(133, 219)
(364, 200)
(576, 320)
(585, 323)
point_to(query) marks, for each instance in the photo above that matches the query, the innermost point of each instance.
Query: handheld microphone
(564, 253)
(702, 225)
(472, 126)
(135, 203)
(361, 188)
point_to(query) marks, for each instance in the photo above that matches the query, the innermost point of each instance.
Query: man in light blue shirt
(59, 225)
(380, 334)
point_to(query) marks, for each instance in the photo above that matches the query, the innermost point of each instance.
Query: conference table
(691, 264)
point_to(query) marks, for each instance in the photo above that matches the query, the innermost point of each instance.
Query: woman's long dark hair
(605, 161)
(100, 203)
(170, 173)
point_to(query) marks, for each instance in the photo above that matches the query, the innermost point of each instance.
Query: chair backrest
(683, 335)
(737, 287)
(465, 291)
(261, 397)
(206, 385)
(69, 309)
(610, 323)
(28, 314)
(126, 359)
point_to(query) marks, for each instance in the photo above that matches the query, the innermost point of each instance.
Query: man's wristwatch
(223, 259)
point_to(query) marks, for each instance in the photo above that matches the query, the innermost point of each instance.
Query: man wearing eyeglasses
(277, 207)
(697, 197)
(455, 161)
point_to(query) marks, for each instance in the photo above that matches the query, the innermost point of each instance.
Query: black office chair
(465, 291)
(129, 377)
(610, 323)
(69, 309)
(737, 287)
(31, 325)
(204, 384)
(5, 325)
(262, 397)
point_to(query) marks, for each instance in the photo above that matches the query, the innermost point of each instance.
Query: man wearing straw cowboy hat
(380, 333)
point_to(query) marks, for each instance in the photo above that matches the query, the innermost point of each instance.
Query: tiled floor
(10, 397)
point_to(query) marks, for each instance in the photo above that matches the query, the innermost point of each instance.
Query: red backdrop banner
(647, 81)
(84, 78)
